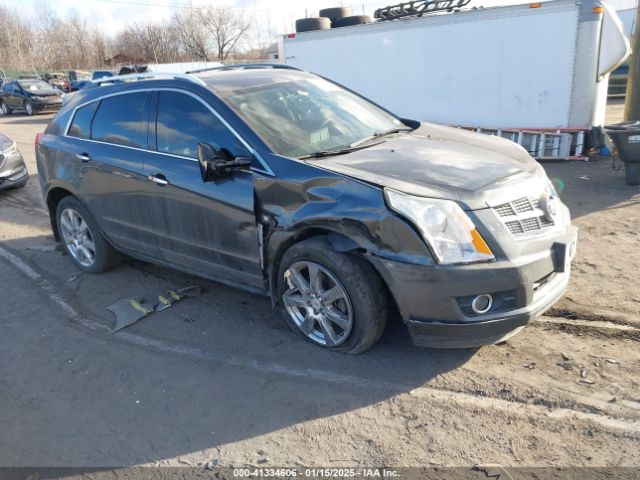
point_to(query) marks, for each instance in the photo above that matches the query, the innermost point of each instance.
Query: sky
(278, 15)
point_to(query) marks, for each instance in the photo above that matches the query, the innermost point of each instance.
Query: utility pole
(632, 102)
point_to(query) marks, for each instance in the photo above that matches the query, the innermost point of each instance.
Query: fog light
(482, 303)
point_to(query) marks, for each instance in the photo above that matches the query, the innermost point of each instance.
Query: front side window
(122, 120)
(81, 124)
(300, 115)
(183, 122)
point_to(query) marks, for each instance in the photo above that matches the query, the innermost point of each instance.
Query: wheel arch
(341, 242)
(54, 197)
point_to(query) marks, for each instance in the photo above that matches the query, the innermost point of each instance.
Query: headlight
(449, 232)
(11, 150)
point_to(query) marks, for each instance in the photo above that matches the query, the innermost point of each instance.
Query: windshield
(300, 117)
(34, 85)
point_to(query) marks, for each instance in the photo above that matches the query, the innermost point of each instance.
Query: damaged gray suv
(284, 183)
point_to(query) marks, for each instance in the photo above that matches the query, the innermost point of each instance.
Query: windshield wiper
(338, 151)
(380, 134)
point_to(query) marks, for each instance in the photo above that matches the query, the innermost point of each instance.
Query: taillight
(38, 137)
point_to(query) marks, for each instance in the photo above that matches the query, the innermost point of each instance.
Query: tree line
(46, 41)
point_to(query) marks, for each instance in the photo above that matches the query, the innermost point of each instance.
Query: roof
(227, 81)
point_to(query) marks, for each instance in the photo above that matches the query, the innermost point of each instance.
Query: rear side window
(183, 122)
(81, 124)
(122, 120)
(8, 87)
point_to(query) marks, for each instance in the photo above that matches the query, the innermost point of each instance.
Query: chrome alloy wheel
(4, 108)
(28, 108)
(318, 303)
(77, 237)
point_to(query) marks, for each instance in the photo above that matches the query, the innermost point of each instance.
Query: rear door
(107, 140)
(208, 228)
(7, 89)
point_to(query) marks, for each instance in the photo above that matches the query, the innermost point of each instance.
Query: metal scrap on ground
(129, 310)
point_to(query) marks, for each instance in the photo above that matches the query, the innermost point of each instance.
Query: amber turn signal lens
(479, 243)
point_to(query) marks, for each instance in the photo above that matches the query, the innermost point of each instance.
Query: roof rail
(133, 77)
(246, 66)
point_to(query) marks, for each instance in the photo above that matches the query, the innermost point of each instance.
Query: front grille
(522, 205)
(523, 216)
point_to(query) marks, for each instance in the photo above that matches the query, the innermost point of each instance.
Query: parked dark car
(98, 74)
(74, 77)
(284, 183)
(79, 85)
(57, 80)
(30, 95)
(13, 171)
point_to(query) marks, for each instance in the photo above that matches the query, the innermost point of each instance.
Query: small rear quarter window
(81, 123)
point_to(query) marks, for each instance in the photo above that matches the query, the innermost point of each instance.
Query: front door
(208, 228)
(15, 97)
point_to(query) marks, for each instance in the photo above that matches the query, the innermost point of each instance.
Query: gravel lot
(221, 378)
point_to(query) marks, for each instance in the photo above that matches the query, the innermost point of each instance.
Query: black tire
(366, 292)
(5, 109)
(29, 108)
(335, 13)
(632, 173)
(311, 24)
(106, 257)
(352, 20)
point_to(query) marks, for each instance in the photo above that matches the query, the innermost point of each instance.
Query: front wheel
(82, 239)
(28, 107)
(334, 300)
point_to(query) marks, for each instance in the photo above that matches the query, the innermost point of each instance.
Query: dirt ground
(220, 380)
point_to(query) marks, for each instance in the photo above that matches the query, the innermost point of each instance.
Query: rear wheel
(5, 110)
(334, 300)
(632, 173)
(82, 239)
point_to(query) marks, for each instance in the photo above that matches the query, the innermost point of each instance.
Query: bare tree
(227, 28)
(43, 40)
(193, 35)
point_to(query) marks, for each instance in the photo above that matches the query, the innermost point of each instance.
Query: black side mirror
(218, 163)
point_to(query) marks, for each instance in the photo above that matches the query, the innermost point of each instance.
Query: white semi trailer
(536, 73)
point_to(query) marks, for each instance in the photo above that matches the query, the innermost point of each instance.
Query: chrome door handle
(159, 179)
(83, 157)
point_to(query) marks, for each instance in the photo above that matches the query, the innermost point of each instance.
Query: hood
(5, 142)
(44, 93)
(441, 162)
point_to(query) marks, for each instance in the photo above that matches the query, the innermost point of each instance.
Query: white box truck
(536, 73)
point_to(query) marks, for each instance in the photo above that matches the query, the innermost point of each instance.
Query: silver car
(13, 171)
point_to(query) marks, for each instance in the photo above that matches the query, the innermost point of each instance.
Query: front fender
(350, 213)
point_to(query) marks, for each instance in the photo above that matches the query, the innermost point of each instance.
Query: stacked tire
(334, 17)
(310, 24)
(335, 13)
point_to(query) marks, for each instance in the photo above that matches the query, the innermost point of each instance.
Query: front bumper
(47, 106)
(430, 297)
(13, 171)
